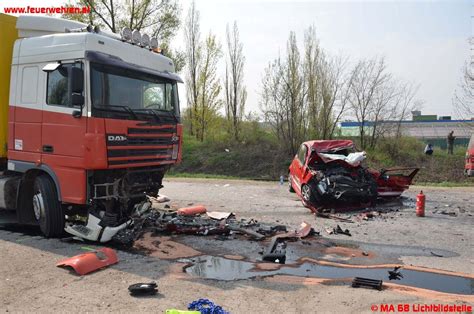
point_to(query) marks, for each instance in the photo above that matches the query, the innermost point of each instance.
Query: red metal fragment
(90, 261)
(190, 211)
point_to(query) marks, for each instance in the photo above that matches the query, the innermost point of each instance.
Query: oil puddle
(219, 268)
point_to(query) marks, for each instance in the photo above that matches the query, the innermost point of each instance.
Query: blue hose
(206, 306)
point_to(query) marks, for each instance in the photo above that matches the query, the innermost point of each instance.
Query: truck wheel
(47, 208)
(290, 187)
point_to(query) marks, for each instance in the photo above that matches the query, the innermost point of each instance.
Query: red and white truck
(90, 123)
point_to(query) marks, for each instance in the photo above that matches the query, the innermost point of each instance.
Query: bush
(409, 152)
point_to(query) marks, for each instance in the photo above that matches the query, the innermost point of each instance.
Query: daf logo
(116, 138)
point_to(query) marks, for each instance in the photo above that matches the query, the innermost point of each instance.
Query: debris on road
(395, 274)
(205, 306)
(91, 261)
(367, 282)
(164, 222)
(175, 311)
(140, 289)
(305, 229)
(249, 232)
(331, 216)
(339, 230)
(162, 199)
(276, 252)
(191, 211)
(219, 215)
(449, 213)
(436, 254)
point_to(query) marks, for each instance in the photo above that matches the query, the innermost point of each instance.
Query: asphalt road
(29, 280)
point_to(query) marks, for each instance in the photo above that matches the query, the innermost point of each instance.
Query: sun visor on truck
(103, 58)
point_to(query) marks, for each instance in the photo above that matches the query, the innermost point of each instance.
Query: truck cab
(93, 125)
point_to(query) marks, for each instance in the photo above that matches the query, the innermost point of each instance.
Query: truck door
(26, 116)
(63, 128)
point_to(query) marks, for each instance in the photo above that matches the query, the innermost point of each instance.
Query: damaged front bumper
(94, 231)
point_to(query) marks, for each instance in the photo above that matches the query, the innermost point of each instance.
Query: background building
(428, 128)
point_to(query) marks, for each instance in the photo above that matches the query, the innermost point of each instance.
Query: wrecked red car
(469, 164)
(330, 174)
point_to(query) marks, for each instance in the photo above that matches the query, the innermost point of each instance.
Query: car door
(298, 165)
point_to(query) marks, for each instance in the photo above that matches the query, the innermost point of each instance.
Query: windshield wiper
(126, 108)
(153, 110)
(157, 117)
(169, 112)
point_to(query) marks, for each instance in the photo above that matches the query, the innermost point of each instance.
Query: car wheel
(47, 208)
(290, 187)
(306, 193)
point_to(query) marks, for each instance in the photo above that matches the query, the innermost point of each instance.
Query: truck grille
(141, 146)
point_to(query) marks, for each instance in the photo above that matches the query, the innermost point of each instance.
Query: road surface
(29, 280)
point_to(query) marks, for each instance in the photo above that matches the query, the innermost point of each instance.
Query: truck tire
(47, 208)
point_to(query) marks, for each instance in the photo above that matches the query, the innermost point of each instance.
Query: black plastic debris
(339, 230)
(395, 274)
(276, 252)
(367, 282)
(163, 222)
(140, 289)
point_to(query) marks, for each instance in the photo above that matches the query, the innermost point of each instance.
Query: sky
(424, 42)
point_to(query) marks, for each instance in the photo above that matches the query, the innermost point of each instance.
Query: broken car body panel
(469, 162)
(329, 174)
(90, 261)
(394, 181)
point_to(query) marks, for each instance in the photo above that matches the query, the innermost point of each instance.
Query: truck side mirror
(76, 79)
(77, 100)
(76, 86)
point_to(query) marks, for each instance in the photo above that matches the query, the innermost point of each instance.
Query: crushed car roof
(327, 146)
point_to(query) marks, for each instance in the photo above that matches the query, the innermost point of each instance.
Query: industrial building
(428, 128)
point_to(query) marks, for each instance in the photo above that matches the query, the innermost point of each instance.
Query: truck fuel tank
(8, 191)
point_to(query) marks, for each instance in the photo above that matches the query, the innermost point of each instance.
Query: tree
(193, 58)
(306, 96)
(404, 104)
(157, 18)
(282, 97)
(295, 93)
(367, 98)
(235, 91)
(312, 55)
(273, 96)
(303, 96)
(464, 95)
(208, 87)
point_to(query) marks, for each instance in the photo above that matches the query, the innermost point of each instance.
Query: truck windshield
(135, 91)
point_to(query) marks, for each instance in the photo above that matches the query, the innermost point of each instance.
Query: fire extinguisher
(420, 204)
